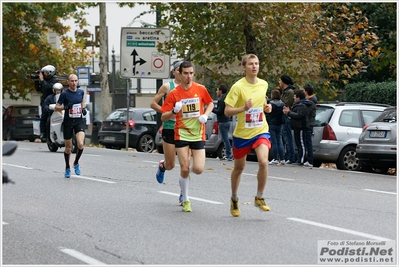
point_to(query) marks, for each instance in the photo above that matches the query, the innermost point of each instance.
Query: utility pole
(106, 100)
(159, 81)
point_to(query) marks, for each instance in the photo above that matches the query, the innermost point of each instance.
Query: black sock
(66, 157)
(163, 167)
(78, 154)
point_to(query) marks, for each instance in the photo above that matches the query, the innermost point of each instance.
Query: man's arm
(209, 108)
(231, 111)
(163, 90)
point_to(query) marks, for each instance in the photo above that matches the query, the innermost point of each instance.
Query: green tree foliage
(26, 47)
(303, 40)
(383, 17)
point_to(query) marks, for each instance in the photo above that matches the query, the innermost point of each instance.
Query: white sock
(184, 187)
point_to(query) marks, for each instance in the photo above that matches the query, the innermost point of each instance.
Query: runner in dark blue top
(73, 102)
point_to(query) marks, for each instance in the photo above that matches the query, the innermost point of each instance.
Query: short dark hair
(224, 88)
(300, 93)
(275, 94)
(309, 89)
(185, 64)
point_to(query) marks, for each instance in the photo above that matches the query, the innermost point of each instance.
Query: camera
(35, 75)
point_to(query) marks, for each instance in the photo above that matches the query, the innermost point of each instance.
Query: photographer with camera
(44, 84)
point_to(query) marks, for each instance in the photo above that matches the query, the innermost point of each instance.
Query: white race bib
(254, 118)
(75, 111)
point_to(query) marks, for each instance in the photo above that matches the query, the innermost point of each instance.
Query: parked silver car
(337, 130)
(377, 143)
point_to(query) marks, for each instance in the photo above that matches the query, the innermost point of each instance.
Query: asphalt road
(115, 212)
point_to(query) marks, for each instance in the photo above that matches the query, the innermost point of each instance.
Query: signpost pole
(127, 113)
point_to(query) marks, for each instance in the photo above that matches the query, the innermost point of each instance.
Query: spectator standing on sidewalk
(246, 99)
(287, 96)
(299, 115)
(223, 121)
(309, 132)
(275, 119)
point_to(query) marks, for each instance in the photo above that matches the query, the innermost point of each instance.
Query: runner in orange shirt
(187, 102)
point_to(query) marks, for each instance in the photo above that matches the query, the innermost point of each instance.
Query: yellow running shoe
(234, 209)
(260, 202)
(186, 206)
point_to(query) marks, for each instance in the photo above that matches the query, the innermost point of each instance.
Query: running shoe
(234, 209)
(67, 173)
(181, 200)
(260, 203)
(186, 206)
(76, 167)
(160, 174)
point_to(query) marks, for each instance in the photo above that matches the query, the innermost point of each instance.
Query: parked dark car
(377, 148)
(18, 122)
(142, 129)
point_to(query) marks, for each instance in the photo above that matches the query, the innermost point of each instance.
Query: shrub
(384, 93)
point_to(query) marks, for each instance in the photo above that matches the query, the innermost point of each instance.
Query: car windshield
(389, 115)
(118, 115)
(323, 115)
(23, 111)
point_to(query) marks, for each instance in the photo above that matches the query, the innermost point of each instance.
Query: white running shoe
(273, 162)
(307, 164)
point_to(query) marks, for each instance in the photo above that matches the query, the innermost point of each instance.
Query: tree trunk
(106, 100)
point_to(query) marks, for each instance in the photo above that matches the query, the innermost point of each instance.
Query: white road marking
(196, 198)
(249, 174)
(93, 179)
(18, 166)
(378, 191)
(339, 229)
(80, 256)
(274, 177)
(4, 223)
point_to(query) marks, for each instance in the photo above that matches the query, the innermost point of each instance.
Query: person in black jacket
(299, 115)
(287, 96)
(45, 86)
(275, 119)
(309, 133)
(223, 120)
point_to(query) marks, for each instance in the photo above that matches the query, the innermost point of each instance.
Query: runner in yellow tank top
(247, 100)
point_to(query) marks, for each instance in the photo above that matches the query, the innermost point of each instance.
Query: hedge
(384, 93)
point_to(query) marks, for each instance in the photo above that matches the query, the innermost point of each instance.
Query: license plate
(109, 138)
(378, 134)
(28, 121)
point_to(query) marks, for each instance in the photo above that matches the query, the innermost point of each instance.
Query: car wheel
(221, 152)
(32, 139)
(52, 146)
(160, 149)
(146, 143)
(347, 160)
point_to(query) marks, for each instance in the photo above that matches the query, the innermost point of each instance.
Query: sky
(117, 18)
